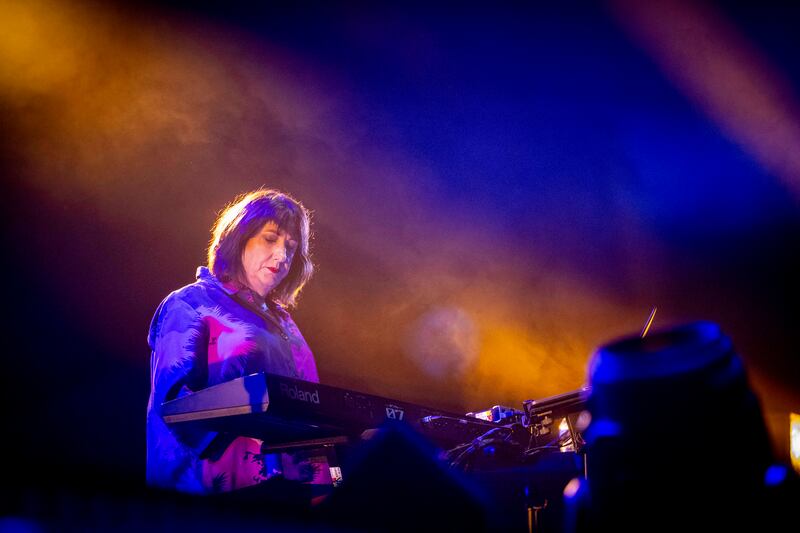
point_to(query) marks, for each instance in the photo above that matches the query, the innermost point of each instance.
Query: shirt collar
(204, 274)
(233, 288)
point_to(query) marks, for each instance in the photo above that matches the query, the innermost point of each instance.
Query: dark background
(496, 192)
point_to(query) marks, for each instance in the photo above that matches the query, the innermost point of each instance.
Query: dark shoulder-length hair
(242, 219)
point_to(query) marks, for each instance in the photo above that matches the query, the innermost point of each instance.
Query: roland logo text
(293, 392)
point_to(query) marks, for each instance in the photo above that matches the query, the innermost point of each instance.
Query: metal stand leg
(534, 512)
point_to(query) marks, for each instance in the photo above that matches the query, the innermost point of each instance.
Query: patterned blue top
(201, 335)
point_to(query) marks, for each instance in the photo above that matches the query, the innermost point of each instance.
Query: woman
(233, 321)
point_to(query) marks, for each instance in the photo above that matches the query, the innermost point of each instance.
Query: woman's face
(267, 257)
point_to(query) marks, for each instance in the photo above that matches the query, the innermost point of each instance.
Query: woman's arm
(179, 361)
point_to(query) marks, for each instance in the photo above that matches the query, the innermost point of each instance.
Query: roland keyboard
(280, 410)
